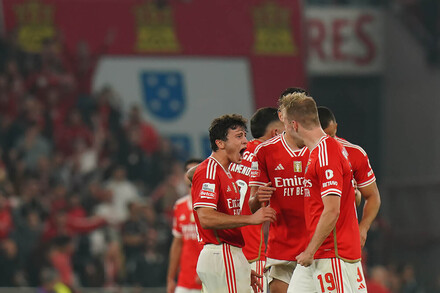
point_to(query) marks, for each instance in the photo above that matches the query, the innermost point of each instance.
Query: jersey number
(329, 280)
(243, 189)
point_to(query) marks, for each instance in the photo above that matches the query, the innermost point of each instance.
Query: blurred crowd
(86, 192)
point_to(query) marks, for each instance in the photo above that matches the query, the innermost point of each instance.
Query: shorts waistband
(220, 247)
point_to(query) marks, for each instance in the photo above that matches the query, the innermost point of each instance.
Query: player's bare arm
(260, 196)
(175, 252)
(372, 204)
(326, 224)
(211, 219)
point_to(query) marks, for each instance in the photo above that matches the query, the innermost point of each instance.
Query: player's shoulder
(252, 145)
(208, 169)
(269, 143)
(351, 147)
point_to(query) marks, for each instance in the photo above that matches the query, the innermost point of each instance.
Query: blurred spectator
(148, 137)
(9, 264)
(151, 268)
(124, 192)
(74, 129)
(378, 281)
(133, 234)
(32, 146)
(60, 258)
(27, 235)
(6, 224)
(409, 282)
(51, 283)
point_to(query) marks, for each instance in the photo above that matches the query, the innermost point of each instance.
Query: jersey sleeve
(329, 171)
(207, 189)
(258, 176)
(177, 228)
(363, 173)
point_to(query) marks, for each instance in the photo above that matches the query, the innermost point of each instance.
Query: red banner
(268, 33)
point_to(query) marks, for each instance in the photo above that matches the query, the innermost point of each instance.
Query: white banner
(180, 96)
(344, 40)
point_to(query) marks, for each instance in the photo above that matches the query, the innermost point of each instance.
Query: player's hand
(264, 193)
(358, 197)
(198, 281)
(264, 214)
(255, 284)
(363, 233)
(171, 285)
(305, 259)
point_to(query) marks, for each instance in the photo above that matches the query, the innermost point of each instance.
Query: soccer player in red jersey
(331, 259)
(277, 178)
(185, 248)
(362, 172)
(264, 125)
(222, 266)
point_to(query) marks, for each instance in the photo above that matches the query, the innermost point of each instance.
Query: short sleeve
(207, 188)
(362, 172)
(258, 176)
(177, 228)
(329, 170)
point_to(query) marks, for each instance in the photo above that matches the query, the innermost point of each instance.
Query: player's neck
(222, 159)
(312, 137)
(291, 142)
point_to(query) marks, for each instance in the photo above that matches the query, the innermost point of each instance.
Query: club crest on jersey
(254, 166)
(297, 166)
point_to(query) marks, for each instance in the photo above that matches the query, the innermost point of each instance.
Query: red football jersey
(362, 171)
(184, 226)
(275, 162)
(328, 171)
(254, 246)
(214, 187)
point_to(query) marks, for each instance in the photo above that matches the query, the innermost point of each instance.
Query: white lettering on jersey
(288, 182)
(329, 174)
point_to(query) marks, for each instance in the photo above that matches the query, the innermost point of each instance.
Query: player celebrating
(264, 125)
(185, 248)
(331, 260)
(277, 178)
(222, 266)
(362, 172)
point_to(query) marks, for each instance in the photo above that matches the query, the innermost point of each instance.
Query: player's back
(277, 163)
(362, 171)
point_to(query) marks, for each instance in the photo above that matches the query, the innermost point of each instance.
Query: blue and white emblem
(164, 93)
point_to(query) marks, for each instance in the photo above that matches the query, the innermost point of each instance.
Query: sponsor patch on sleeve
(208, 187)
(254, 166)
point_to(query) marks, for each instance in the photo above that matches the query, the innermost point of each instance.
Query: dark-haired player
(362, 172)
(222, 266)
(264, 125)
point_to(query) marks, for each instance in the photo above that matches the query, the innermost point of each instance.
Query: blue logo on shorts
(164, 93)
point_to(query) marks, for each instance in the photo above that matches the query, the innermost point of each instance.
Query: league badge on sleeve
(208, 191)
(254, 170)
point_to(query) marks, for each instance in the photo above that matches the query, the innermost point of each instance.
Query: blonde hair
(302, 109)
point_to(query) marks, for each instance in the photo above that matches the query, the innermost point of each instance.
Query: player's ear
(220, 144)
